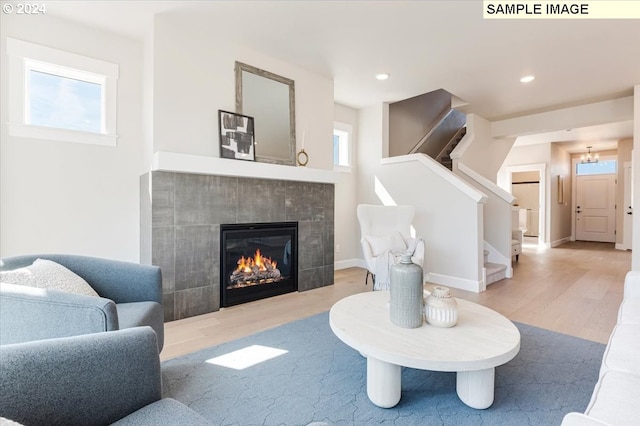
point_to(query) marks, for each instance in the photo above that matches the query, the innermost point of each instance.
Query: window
(55, 100)
(56, 95)
(342, 147)
(600, 168)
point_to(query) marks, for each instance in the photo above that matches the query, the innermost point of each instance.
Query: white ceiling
(423, 45)
(601, 137)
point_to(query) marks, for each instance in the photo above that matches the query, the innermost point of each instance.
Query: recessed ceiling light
(527, 78)
(382, 76)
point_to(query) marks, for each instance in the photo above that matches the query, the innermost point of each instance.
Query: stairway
(493, 271)
(445, 157)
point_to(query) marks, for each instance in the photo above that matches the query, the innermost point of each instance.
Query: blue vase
(405, 284)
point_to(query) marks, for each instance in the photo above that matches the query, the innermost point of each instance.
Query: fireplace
(257, 260)
(181, 214)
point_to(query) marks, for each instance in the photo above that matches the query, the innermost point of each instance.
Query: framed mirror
(270, 100)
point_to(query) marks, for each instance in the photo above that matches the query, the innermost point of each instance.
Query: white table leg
(383, 383)
(475, 388)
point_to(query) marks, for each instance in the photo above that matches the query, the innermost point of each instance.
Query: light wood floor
(575, 289)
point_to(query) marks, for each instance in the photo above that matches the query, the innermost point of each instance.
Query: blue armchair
(92, 379)
(130, 296)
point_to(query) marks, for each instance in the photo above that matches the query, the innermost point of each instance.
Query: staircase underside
(444, 157)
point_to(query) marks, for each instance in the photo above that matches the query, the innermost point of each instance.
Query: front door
(596, 208)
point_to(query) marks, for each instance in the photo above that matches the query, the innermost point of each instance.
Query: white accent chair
(516, 243)
(518, 228)
(386, 230)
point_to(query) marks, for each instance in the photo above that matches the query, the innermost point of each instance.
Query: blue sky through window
(65, 103)
(340, 148)
(599, 168)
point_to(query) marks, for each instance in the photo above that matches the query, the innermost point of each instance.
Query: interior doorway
(525, 186)
(530, 182)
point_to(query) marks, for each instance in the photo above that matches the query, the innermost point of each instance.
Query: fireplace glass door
(257, 260)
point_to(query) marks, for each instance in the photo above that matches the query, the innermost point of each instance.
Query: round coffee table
(482, 340)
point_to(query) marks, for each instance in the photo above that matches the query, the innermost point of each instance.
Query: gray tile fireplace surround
(181, 215)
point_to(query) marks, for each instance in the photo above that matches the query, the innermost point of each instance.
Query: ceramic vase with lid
(405, 285)
(440, 309)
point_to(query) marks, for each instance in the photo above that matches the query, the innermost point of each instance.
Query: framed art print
(237, 138)
(560, 189)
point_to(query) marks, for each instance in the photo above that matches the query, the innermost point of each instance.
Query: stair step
(494, 267)
(495, 272)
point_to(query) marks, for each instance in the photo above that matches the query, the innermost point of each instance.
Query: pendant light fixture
(588, 157)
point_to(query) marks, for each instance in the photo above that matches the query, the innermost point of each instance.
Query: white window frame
(348, 130)
(24, 57)
(602, 160)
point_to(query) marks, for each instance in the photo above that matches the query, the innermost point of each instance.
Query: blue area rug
(320, 379)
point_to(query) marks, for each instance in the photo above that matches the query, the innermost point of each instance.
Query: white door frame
(627, 206)
(574, 195)
(541, 168)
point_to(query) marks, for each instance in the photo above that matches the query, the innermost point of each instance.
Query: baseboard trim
(621, 247)
(455, 282)
(349, 263)
(446, 280)
(561, 241)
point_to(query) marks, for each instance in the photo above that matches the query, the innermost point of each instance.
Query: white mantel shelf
(199, 164)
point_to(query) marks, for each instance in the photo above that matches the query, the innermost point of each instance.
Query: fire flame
(264, 263)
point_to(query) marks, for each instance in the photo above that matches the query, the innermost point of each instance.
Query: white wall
(604, 112)
(369, 151)
(635, 161)
(347, 235)
(194, 78)
(624, 155)
(448, 219)
(559, 213)
(479, 150)
(67, 197)
(76, 198)
(147, 99)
